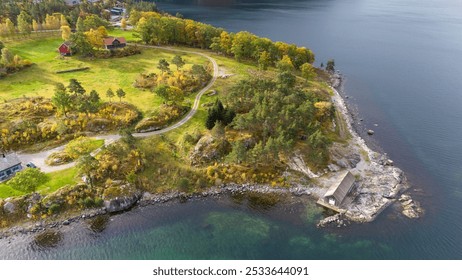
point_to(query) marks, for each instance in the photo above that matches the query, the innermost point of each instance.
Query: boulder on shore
(120, 198)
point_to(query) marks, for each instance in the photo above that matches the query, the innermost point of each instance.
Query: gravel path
(39, 158)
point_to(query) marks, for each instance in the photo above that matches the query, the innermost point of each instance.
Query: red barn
(65, 49)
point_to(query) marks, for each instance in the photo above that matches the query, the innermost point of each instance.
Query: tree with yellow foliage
(123, 24)
(65, 32)
(95, 38)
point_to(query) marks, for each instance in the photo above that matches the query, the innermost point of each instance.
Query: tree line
(39, 10)
(156, 28)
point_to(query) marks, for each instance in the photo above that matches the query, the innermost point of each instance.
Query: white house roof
(8, 160)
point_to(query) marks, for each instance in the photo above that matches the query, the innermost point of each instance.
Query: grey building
(9, 165)
(338, 191)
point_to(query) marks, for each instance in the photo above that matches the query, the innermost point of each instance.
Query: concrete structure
(9, 165)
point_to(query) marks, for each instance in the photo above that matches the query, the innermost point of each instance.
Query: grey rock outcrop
(9, 207)
(120, 198)
(209, 148)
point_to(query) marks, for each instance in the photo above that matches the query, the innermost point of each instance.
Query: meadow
(114, 73)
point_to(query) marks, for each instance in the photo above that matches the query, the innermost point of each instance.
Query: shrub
(184, 184)
(54, 209)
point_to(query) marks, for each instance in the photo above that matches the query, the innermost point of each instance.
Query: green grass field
(56, 180)
(114, 73)
(103, 74)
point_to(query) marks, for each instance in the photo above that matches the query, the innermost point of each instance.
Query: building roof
(110, 40)
(8, 160)
(341, 187)
(67, 44)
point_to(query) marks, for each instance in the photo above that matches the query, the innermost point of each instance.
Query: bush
(54, 209)
(161, 118)
(183, 184)
(127, 51)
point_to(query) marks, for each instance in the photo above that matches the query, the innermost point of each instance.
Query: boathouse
(9, 165)
(336, 194)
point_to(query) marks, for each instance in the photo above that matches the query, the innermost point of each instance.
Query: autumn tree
(285, 64)
(35, 25)
(171, 95)
(95, 38)
(264, 61)
(65, 32)
(63, 21)
(10, 28)
(24, 23)
(123, 24)
(7, 57)
(308, 71)
(52, 22)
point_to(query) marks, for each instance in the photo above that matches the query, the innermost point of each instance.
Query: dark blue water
(403, 64)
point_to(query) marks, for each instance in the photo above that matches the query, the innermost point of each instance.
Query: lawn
(103, 74)
(56, 181)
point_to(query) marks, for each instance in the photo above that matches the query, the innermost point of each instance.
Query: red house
(65, 49)
(114, 43)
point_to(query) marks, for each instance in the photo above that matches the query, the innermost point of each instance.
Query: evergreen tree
(120, 94)
(178, 61)
(61, 99)
(94, 101)
(75, 87)
(110, 94)
(330, 66)
(163, 65)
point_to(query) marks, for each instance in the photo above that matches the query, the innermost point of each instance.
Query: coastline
(379, 185)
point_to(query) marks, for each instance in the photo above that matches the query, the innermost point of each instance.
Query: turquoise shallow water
(402, 61)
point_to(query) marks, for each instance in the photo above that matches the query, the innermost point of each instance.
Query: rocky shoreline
(378, 182)
(146, 199)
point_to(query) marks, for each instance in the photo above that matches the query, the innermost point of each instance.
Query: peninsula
(98, 118)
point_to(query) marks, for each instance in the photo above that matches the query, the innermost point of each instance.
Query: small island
(96, 119)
